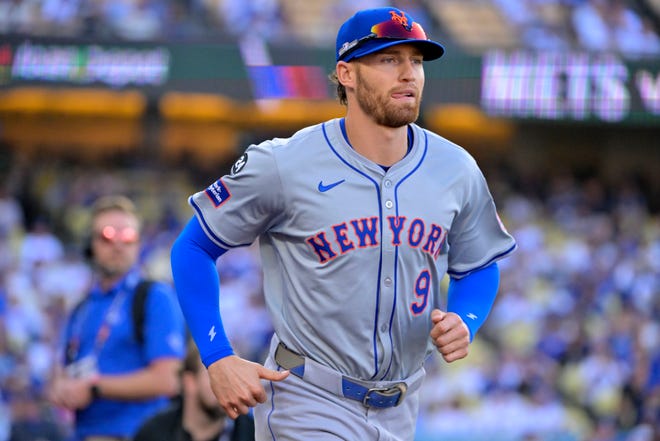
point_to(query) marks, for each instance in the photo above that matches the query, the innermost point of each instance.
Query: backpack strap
(71, 346)
(139, 308)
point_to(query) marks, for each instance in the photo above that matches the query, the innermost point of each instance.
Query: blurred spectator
(612, 26)
(136, 20)
(11, 227)
(6, 361)
(257, 18)
(536, 32)
(120, 363)
(196, 415)
(11, 213)
(40, 245)
(32, 420)
(18, 16)
(61, 17)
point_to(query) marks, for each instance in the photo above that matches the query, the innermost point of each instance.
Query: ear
(345, 73)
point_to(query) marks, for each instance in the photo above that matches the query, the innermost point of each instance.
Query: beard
(110, 271)
(381, 110)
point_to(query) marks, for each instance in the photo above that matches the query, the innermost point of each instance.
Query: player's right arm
(235, 382)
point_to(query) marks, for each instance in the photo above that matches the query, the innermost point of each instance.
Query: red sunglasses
(399, 28)
(396, 28)
(110, 234)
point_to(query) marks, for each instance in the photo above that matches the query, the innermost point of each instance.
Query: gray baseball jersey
(353, 255)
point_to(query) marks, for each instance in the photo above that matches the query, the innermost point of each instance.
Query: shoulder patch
(218, 193)
(239, 164)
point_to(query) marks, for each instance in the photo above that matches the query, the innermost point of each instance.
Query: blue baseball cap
(371, 30)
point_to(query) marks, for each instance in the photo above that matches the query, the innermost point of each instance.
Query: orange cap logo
(401, 19)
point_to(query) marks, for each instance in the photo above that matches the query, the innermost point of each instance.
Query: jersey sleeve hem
(207, 229)
(495, 258)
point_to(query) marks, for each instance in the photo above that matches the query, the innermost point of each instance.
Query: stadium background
(559, 101)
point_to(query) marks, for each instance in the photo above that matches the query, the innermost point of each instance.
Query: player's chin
(401, 118)
(409, 113)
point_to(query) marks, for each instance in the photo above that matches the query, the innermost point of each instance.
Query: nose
(409, 70)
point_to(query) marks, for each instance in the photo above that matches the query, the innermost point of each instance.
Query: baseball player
(358, 220)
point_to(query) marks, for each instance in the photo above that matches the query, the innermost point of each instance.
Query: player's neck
(380, 144)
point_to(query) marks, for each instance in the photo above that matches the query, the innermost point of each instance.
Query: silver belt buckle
(287, 358)
(399, 388)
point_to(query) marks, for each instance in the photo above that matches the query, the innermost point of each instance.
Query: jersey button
(388, 204)
(388, 281)
(388, 183)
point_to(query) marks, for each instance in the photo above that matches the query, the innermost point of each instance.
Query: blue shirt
(120, 353)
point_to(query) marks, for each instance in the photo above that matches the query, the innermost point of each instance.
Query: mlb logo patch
(218, 193)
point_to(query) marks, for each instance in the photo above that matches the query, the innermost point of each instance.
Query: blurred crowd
(571, 350)
(572, 347)
(631, 27)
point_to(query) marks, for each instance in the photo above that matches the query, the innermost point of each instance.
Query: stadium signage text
(576, 86)
(85, 64)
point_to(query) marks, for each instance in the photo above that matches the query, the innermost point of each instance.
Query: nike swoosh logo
(324, 188)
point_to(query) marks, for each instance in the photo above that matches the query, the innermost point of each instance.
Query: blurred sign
(520, 85)
(88, 64)
(281, 82)
(570, 86)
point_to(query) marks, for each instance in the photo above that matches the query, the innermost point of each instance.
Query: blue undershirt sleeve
(197, 285)
(472, 296)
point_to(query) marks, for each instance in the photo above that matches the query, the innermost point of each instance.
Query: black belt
(381, 397)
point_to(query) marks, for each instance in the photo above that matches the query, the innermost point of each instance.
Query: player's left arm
(472, 296)
(469, 302)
